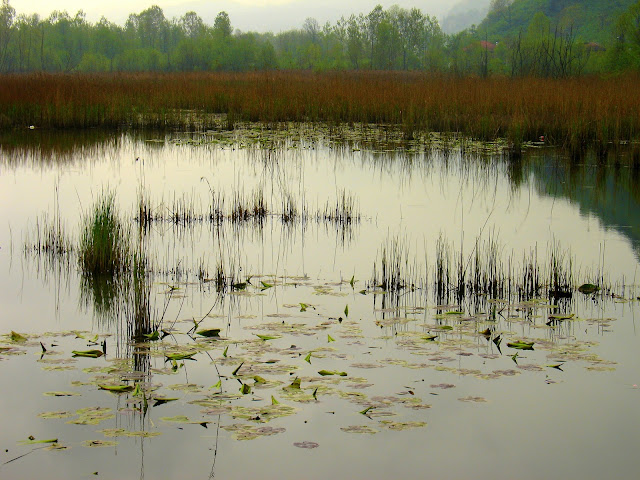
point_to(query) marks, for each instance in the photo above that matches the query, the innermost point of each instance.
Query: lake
(317, 302)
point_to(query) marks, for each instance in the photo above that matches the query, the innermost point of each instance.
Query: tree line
(383, 39)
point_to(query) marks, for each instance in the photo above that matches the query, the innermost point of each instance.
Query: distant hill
(593, 19)
(464, 14)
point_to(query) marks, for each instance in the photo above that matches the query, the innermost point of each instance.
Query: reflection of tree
(609, 192)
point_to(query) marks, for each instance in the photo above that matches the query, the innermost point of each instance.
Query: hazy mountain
(464, 14)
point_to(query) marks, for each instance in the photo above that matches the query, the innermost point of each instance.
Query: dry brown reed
(575, 112)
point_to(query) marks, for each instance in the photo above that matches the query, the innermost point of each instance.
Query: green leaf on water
(237, 369)
(445, 327)
(330, 339)
(217, 385)
(137, 391)
(430, 338)
(455, 312)
(366, 410)
(315, 394)
(226, 349)
(308, 358)
(588, 288)
(116, 388)
(245, 389)
(295, 384)
(267, 337)
(162, 400)
(61, 394)
(259, 379)
(180, 356)
(562, 317)
(239, 286)
(87, 353)
(352, 281)
(274, 401)
(266, 285)
(346, 311)
(303, 307)
(33, 441)
(557, 366)
(324, 373)
(152, 336)
(520, 345)
(209, 332)
(514, 357)
(183, 419)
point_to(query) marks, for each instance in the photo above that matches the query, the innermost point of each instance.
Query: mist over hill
(464, 14)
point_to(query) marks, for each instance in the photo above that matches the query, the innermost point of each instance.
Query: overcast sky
(255, 15)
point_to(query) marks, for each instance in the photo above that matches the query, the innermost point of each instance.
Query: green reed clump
(104, 248)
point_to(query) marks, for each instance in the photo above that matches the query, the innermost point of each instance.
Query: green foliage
(553, 38)
(104, 249)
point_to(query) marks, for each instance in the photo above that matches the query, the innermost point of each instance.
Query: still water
(411, 383)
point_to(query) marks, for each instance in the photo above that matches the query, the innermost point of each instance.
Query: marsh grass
(252, 209)
(103, 248)
(486, 272)
(574, 113)
(393, 271)
(343, 211)
(49, 238)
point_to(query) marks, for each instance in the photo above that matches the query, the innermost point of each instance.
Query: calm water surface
(461, 405)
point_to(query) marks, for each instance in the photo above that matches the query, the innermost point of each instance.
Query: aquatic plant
(103, 249)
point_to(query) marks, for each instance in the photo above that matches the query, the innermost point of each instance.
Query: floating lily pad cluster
(268, 370)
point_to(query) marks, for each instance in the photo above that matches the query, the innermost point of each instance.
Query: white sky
(255, 15)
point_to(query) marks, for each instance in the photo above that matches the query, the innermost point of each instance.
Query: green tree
(7, 14)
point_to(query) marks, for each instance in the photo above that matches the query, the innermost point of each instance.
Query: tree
(192, 25)
(222, 25)
(626, 51)
(7, 14)
(355, 40)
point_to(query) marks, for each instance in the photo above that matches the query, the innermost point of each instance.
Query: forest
(518, 38)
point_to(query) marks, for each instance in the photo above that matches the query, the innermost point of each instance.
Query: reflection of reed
(485, 272)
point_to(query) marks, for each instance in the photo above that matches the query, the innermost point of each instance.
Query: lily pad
(588, 288)
(306, 444)
(209, 333)
(521, 345)
(99, 443)
(362, 429)
(88, 353)
(331, 372)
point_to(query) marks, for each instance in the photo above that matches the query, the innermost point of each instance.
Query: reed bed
(575, 112)
(487, 272)
(183, 212)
